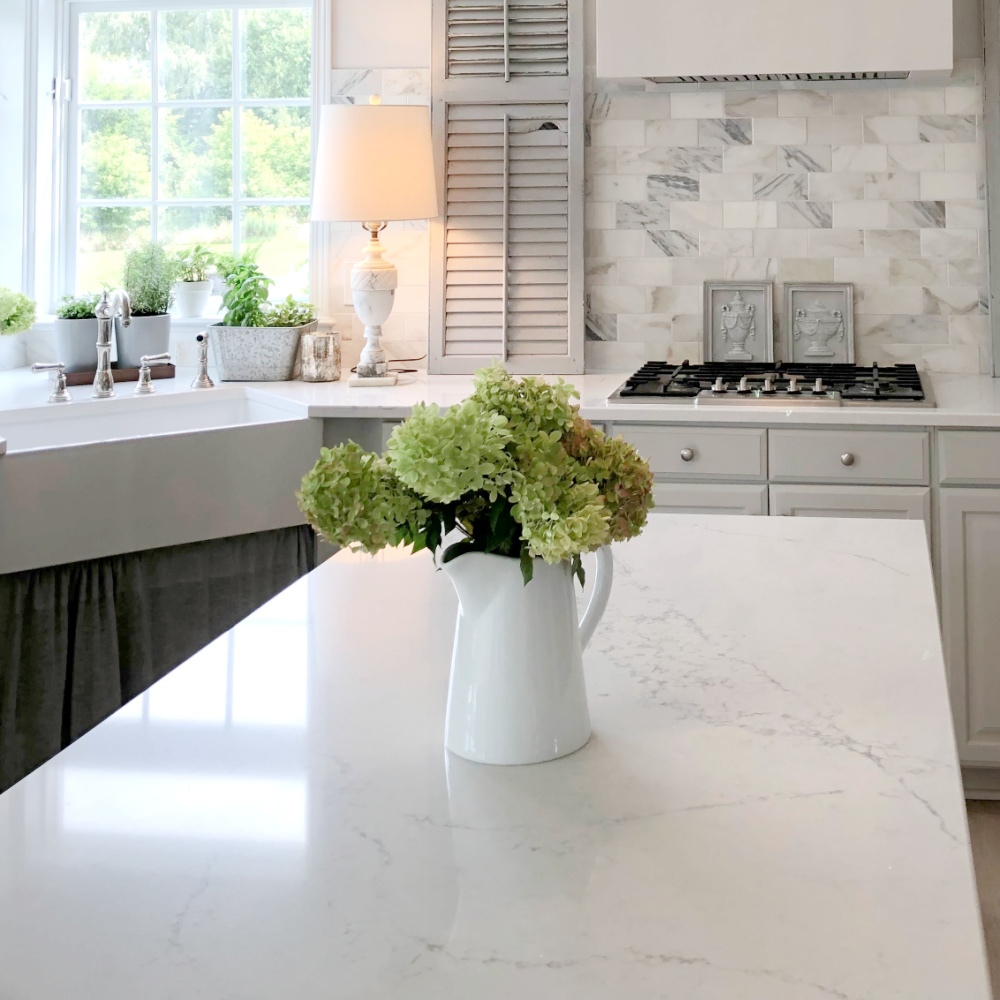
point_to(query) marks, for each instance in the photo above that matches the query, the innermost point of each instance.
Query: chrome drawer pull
(687, 455)
(847, 459)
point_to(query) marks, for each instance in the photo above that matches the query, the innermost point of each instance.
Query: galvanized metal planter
(257, 353)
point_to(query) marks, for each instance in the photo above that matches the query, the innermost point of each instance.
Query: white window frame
(66, 134)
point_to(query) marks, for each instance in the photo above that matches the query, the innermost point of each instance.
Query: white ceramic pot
(144, 335)
(191, 298)
(76, 344)
(257, 353)
(517, 693)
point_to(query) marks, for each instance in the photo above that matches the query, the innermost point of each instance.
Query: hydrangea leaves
(514, 468)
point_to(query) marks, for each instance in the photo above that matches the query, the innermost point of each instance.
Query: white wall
(379, 34)
(12, 132)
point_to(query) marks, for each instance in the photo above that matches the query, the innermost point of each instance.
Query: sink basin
(97, 421)
(101, 477)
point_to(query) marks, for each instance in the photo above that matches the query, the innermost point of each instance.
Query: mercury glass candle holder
(320, 357)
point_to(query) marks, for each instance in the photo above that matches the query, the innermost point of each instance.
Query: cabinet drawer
(893, 457)
(905, 503)
(969, 457)
(710, 498)
(700, 452)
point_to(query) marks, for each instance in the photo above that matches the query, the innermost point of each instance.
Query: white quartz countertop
(962, 401)
(770, 807)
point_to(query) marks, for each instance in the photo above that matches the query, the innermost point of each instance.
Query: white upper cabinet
(812, 39)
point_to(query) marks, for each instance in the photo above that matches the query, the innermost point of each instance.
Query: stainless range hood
(796, 41)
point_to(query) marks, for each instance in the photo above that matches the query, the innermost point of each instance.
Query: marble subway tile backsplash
(881, 186)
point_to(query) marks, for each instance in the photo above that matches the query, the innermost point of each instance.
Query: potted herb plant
(148, 280)
(76, 332)
(194, 285)
(17, 314)
(226, 264)
(528, 486)
(258, 341)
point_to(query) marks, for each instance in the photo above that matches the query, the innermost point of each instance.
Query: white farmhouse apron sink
(97, 478)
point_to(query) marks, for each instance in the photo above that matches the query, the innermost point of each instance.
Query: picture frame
(819, 323)
(739, 321)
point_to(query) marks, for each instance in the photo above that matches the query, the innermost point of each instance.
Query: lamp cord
(399, 371)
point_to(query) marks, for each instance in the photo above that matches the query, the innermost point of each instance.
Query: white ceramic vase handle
(599, 598)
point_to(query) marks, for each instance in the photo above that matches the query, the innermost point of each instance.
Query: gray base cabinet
(873, 472)
(970, 613)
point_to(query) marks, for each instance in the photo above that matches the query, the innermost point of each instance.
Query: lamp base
(371, 381)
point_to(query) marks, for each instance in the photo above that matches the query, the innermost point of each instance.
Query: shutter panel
(507, 38)
(507, 230)
(508, 253)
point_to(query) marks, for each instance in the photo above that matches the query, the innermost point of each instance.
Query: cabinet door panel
(710, 498)
(970, 601)
(907, 503)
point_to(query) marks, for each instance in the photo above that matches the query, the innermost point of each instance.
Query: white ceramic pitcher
(517, 693)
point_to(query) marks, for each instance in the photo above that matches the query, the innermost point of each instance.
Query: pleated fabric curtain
(78, 641)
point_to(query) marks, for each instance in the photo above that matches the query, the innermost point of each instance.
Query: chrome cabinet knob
(687, 454)
(59, 394)
(847, 458)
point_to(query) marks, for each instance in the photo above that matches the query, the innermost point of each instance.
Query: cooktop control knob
(719, 385)
(819, 388)
(793, 385)
(744, 385)
(769, 385)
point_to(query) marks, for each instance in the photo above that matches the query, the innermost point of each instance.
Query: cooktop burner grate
(778, 383)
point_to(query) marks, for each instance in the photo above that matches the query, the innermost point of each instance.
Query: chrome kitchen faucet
(107, 309)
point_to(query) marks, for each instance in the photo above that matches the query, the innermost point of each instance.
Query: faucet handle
(60, 394)
(144, 386)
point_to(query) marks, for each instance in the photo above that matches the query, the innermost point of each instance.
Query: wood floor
(984, 827)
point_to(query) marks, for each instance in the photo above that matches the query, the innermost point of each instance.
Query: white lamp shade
(374, 163)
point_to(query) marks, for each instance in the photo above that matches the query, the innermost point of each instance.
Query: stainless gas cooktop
(778, 384)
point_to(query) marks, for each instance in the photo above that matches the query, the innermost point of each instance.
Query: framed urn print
(739, 321)
(819, 321)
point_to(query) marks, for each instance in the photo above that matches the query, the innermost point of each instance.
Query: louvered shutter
(508, 255)
(508, 40)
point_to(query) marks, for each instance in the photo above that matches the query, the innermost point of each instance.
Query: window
(189, 124)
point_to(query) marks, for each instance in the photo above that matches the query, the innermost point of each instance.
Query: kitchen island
(770, 806)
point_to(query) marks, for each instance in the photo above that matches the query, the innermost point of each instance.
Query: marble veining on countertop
(770, 807)
(962, 401)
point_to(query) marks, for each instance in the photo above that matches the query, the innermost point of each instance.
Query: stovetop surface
(778, 383)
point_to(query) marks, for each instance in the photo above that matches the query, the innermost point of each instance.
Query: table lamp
(374, 165)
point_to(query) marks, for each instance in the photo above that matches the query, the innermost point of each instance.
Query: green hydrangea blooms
(17, 312)
(514, 468)
(444, 456)
(352, 498)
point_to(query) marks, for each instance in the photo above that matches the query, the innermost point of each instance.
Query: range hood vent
(780, 78)
(781, 41)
